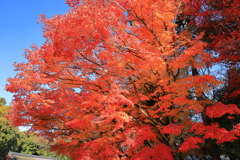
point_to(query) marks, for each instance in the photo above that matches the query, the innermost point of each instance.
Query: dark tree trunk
(212, 146)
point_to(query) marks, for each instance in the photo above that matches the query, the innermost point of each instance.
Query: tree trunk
(212, 150)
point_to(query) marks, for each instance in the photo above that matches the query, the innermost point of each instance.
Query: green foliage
(8, 139)
(27, 145)
(62, 157)
(2, 101)
(11, 139)
(30, 144)
(3, 110)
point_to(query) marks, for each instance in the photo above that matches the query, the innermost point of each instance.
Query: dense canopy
(120, 79)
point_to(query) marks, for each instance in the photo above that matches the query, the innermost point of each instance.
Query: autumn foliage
(125, 79)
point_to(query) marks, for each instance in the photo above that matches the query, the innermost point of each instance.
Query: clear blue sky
(19, 29)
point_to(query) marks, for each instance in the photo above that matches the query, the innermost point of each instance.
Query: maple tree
(121, 79)
(227, 121)
(219, 21)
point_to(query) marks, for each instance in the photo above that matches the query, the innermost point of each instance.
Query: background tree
(3, 110)
(28, 143)
(121, 80)
(219, 20)
(227, 121)
(8, 140)
(11, 139)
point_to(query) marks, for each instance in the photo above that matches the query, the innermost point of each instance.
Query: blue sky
(19, 29)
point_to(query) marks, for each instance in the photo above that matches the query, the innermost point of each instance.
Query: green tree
(8, 139)
(11, 139)
(28, 143)
(3, 110)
